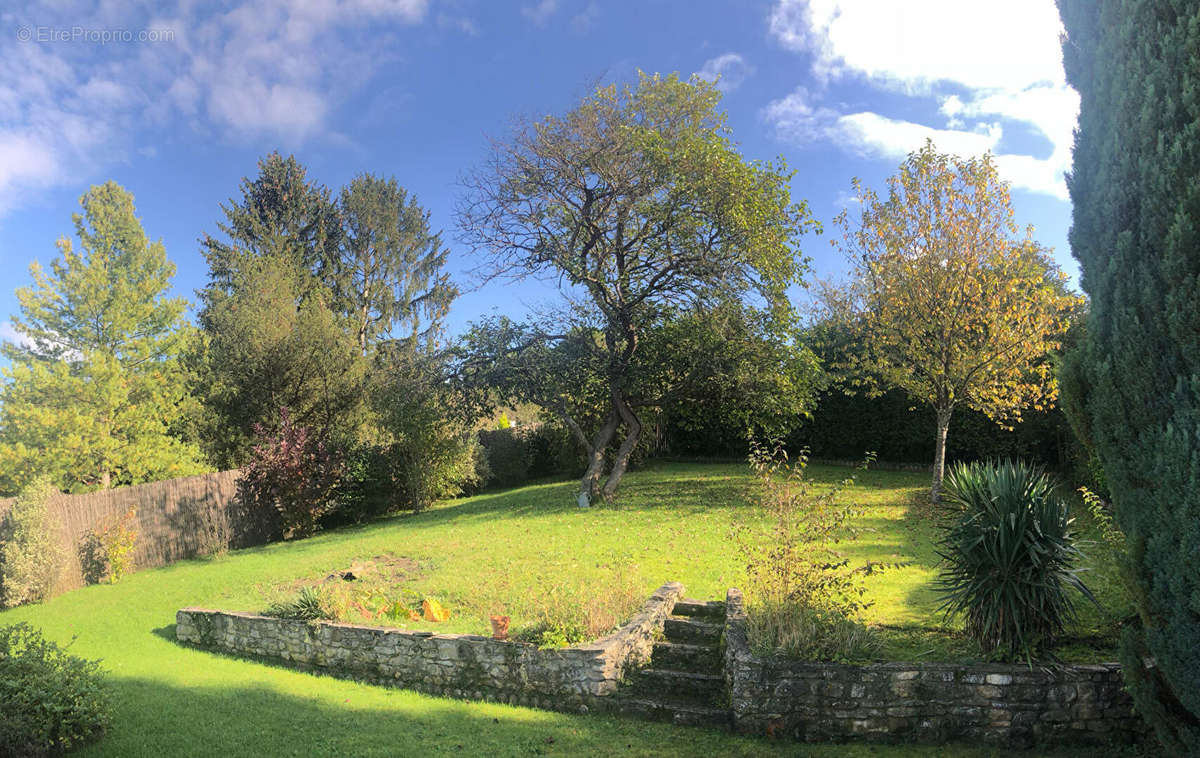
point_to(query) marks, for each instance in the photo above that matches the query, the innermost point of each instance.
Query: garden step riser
(704, 659)
(668, 684)
(713, 612)
(687, 631)
(675, 713)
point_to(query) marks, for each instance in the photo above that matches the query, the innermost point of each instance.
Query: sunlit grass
(496, 551)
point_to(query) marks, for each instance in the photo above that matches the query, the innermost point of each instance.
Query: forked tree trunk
(589, 486)
(939, 452)
(633, 431)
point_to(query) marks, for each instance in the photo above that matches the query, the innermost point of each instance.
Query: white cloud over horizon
(986, 65)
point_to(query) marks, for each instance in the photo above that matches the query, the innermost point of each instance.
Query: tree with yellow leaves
(947, 302)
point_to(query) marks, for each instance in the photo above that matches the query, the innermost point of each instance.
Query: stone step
(684, 657)
(685, 684)
(688, 630)
(708, 610)
(684, 712)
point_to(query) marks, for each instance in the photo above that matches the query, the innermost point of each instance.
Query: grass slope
(522, 548)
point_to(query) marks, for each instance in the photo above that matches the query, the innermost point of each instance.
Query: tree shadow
(321, 717)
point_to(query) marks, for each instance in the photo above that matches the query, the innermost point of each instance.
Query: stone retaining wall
(458, 665)
(1007, 705)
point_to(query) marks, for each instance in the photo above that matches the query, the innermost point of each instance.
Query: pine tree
(273, 336)
(91, 397)
(1136, 233)
(389, 271)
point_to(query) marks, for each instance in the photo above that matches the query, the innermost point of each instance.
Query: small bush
(803, 596)
(1008, 558)
(292, 474)
(30, 556)
(106, 552)
(50, 701)
(309, 605)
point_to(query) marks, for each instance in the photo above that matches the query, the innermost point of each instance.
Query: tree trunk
(589, 485)
(633, 431)
(939, 451)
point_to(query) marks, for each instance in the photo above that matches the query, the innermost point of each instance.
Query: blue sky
(178, 101)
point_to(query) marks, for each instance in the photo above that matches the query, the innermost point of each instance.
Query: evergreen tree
(281, 214)
(389, 269)
(1136, 233)
(91, 397)
(274, 336)
(274, 343)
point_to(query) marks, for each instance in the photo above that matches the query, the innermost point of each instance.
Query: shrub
(425, 423)
(803, 596)
(309, 605)
(1008, 559)
(292, 474)
(30, 556)
(552, 452)
(509, 455)
(106, 552)
(50, 701)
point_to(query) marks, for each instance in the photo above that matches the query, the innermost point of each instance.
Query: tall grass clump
(30, 555)
(1009, 557)
(803, 596)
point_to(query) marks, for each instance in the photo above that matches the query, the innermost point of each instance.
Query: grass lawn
(521, 551)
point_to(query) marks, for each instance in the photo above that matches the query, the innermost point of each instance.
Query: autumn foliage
(949, 302)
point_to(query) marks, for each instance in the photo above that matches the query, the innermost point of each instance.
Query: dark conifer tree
(1136, 232)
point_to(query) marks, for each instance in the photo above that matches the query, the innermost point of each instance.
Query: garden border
(1001, 704)
(576, 678)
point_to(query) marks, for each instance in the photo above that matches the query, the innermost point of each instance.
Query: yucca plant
(1008, 559)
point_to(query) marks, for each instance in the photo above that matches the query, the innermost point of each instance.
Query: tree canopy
(94, 392)
(1136, 234)
(949, 303)
(635, 201)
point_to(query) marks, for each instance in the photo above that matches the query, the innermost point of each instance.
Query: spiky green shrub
(1008, 559)
(309, 605)
(50, 701)
(30, 555)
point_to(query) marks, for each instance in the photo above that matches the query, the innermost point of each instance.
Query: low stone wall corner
(1009, 705)
(468, 666)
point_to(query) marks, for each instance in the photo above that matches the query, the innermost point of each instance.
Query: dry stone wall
(576, 678)
(1015, 706)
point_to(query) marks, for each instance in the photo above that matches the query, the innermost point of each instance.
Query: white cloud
(540, 13)
(986, 63)
(10, 334)
(582, 22)
(728, 70)
(269, 69)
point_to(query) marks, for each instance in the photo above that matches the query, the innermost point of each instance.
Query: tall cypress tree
(1136, 233)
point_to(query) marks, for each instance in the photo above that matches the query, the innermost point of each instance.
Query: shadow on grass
(320, 717)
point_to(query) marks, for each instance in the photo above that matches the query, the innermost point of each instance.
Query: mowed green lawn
(514, 551)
